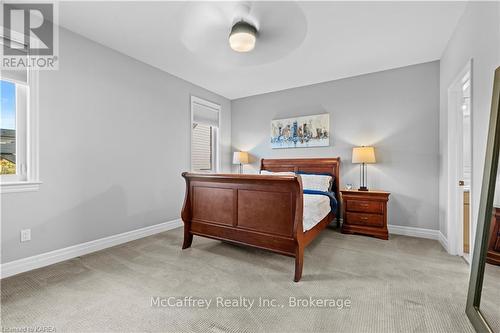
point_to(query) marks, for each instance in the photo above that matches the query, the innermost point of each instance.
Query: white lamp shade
(240, 157)
(363, 155)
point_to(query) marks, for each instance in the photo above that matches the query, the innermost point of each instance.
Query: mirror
(483, 300)
(489, 305)
(490, 299)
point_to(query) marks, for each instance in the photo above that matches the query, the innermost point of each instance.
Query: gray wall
(396, 111)
(114, 139)
(477, 37)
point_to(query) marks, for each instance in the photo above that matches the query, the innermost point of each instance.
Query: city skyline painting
(301, 132)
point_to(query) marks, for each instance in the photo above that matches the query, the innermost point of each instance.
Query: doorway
(460, 103)
(465, 163)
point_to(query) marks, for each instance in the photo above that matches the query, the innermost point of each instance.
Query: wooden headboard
(309, 165)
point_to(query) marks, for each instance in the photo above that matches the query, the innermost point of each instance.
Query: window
(18, 131)
(204, 135)
(13, 129)
(8, 128)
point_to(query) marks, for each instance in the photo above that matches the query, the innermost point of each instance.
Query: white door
(464, 164)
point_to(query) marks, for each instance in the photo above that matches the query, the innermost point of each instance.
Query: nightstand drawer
(364, 206)
(365, 219)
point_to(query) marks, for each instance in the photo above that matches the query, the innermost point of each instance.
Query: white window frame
(27, 158)
(215, 133)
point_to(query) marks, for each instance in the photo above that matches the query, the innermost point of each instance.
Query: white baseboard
(443, 241)
(414, 232)
(52, 257)
(419, 233)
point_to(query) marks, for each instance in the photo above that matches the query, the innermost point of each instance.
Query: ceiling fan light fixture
(242, 37)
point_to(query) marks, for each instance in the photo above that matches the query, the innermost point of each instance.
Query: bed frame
(256, 210)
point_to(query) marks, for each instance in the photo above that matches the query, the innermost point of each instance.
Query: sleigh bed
(263, 211)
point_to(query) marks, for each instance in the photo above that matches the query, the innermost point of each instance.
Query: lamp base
(363, 188)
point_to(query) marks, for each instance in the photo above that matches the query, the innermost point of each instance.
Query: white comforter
(316, 207)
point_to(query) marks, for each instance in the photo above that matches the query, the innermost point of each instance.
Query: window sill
(26, 186)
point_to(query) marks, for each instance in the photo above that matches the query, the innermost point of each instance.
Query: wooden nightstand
(365, 212)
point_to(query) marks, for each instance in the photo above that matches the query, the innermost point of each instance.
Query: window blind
(203, 114)
(20, 74)
(201, 147)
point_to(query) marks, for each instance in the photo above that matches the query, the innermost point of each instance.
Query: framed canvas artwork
(301, 132)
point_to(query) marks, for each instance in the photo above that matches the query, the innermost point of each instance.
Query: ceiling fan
(243, 34)
(218, 29)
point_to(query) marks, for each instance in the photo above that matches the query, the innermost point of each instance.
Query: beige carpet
(401, 285)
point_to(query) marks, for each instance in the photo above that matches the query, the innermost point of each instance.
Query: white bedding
(316, 207)
(316, 182)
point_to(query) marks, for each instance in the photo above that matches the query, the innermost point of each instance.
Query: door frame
(455, 192)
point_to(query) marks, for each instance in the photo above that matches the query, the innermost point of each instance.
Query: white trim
(413, 232)
(443, 241)
(32, 157)
(52, 257)
(19, 187)
(204, 102)
(417, 232)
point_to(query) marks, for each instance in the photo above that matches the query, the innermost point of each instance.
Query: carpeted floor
(401, 285)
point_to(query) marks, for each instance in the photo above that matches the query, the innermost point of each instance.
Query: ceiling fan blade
(203, 22)
(206, 27)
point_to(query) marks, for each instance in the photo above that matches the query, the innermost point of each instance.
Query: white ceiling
(299, 43)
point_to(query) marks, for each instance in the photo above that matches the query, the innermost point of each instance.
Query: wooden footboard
(257, 210)
(262, 211)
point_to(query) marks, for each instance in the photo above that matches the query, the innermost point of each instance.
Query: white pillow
(283, 173)
(316, 182)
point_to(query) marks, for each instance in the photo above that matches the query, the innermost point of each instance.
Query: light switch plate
(25, 235)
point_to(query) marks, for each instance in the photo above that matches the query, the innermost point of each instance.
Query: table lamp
(240, 157)
(363, 155)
